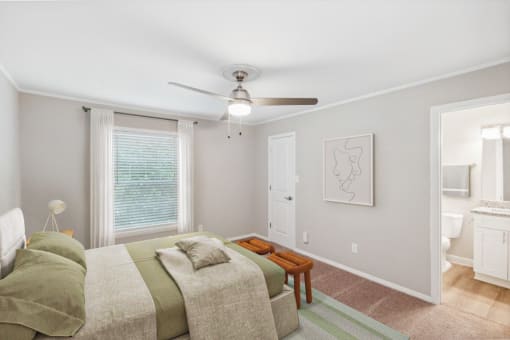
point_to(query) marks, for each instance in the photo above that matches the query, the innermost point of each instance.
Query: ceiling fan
(240, 101)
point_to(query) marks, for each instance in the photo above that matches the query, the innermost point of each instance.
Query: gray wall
(54, 162)
(393, 237)
(55, 165)
(224, 185)
(9, 146)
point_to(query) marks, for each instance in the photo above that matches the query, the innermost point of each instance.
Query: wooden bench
(295, 264)
(256, 246)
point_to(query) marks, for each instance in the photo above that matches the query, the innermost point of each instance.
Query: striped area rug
(327, 318)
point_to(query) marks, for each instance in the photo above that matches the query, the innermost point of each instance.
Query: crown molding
(389, 90)
(115, 105)
(8, 76)
(123, 106)
(255, 123)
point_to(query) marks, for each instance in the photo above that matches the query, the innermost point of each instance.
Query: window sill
(145, 231)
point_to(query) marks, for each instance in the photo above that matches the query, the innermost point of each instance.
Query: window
(145, 179)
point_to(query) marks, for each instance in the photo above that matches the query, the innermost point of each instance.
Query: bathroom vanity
(491, 262)
(491, 255)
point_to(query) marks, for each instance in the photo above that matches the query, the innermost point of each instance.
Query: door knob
(288, 198)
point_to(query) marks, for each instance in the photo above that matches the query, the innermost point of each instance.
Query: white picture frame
(348, 169)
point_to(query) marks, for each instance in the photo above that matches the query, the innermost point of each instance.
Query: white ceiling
(125, 52)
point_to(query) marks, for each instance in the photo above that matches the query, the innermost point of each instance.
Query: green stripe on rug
(344, 315)
(332, 319)
(326, 325)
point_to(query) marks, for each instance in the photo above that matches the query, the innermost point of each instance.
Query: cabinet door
(491, 252)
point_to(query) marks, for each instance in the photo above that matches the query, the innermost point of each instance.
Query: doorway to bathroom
(470, 207)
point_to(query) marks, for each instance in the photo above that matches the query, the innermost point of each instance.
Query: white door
(282, 181)
(491, 252)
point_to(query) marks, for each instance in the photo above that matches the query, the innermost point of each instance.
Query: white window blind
(145, 179)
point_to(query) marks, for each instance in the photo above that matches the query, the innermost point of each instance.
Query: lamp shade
(239, 108)
(57, 206)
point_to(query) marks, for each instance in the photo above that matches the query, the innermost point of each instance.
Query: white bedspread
(224, 301)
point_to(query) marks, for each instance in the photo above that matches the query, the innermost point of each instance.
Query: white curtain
(185, 132)
(101, 178)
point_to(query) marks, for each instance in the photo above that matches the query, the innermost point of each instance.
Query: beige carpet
(411, 316)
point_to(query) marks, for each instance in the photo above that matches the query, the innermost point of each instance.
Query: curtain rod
(87, 109)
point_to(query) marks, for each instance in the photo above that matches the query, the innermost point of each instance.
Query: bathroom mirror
(495, 164)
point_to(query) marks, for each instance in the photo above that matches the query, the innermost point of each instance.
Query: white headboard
(12, 238)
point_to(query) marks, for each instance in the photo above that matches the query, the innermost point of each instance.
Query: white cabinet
(491, 252)
(492, 249)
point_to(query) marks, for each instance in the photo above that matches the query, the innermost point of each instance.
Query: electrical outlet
(305, 237)
(354, 248)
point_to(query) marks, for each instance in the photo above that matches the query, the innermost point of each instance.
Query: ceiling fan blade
(199, 90)
(284, 101)
(225, 116)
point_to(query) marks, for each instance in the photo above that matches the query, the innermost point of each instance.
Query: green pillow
(60, 244)
(16, 332)
(44, 293)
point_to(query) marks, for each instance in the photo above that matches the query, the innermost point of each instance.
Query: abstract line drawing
(348, 170)
(346, 167)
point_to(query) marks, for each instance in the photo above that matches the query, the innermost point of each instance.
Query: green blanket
(170, 312)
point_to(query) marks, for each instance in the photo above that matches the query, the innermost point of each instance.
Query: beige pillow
(186, 243)
(203, 251)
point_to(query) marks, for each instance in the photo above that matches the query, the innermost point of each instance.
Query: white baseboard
(240, 237)
(492, 280)
(463, 261)
(357, 272)
(369, 277)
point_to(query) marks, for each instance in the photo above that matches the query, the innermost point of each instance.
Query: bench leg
(308, 286)
(286, 278)
(297, 290)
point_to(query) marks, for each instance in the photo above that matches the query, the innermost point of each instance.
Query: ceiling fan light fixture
(239, 108)
(240, 101)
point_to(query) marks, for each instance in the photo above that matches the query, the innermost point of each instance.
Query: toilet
(451, 226)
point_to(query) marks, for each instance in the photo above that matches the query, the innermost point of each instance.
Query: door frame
(436, 175)
(293, 227)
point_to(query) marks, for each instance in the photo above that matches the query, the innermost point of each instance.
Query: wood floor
(462, 292)
(414, 317)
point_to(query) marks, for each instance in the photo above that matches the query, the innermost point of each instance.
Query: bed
(129, 295)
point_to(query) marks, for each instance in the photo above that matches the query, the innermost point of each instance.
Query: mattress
(168, 301)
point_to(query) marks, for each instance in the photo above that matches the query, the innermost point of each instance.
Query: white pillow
(12, 238)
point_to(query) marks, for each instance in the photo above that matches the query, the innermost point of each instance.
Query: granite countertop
(505, 212)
